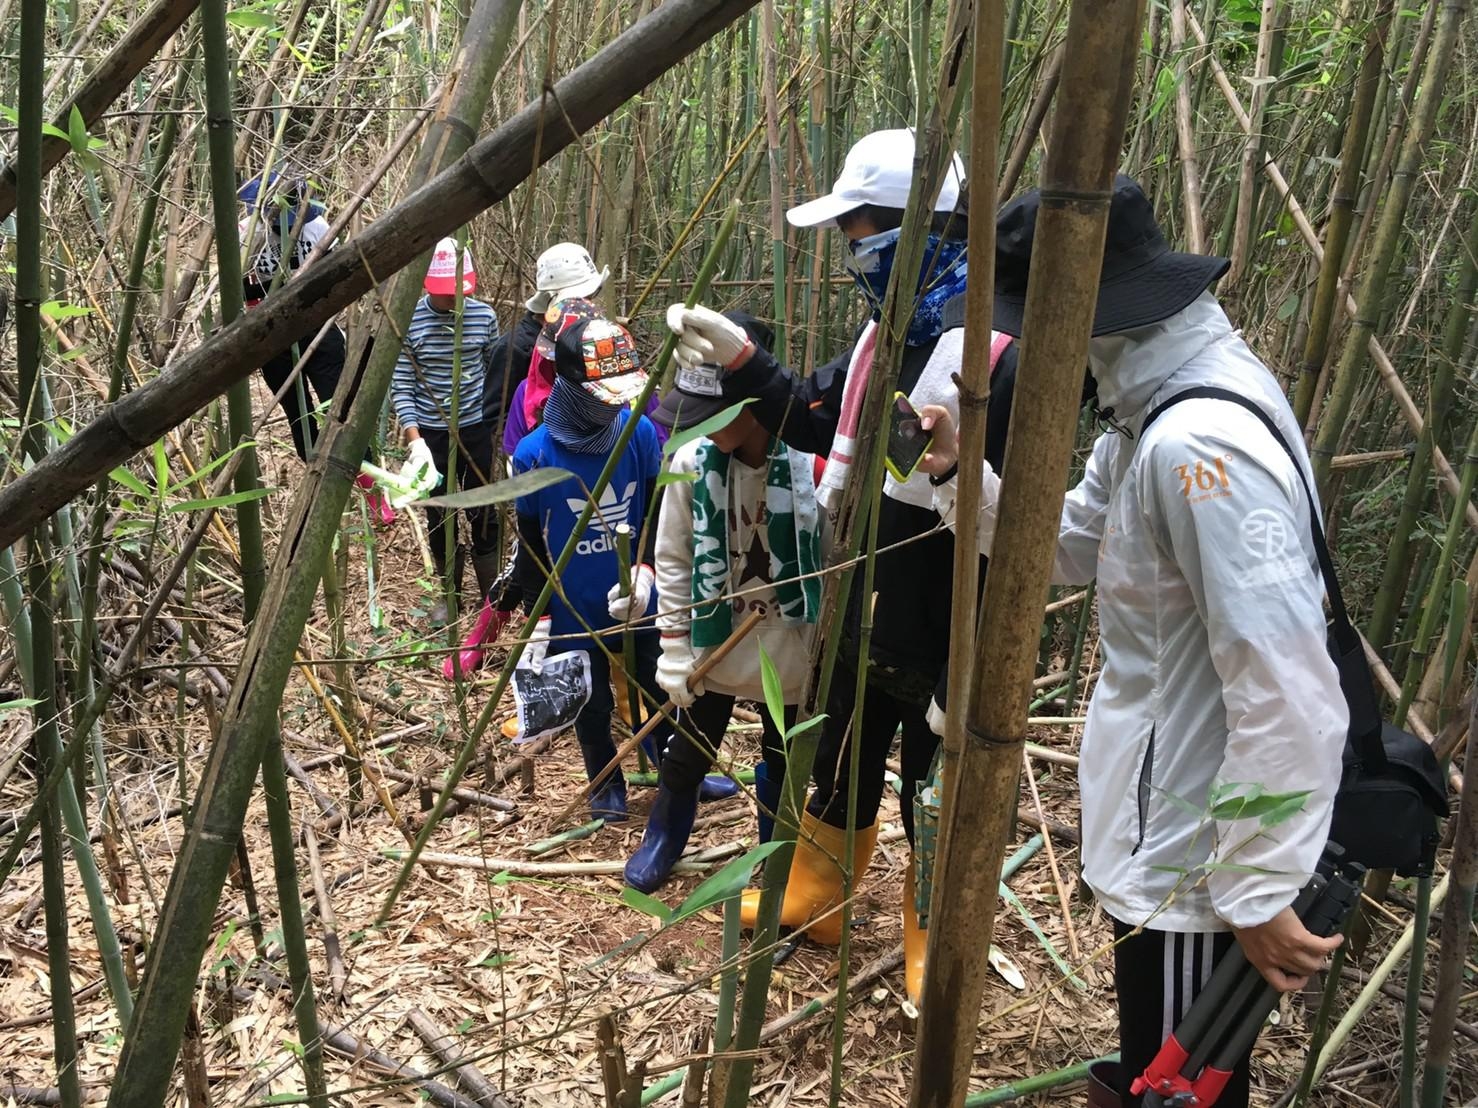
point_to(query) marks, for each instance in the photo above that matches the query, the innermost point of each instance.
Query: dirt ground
(520, 968)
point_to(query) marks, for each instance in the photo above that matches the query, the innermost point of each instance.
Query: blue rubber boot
(662, 844)
(767, 795)
(609, 801)
(716, 786)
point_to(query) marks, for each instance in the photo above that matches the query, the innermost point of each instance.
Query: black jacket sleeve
(998, 411)
(803, 411)
(531, 561)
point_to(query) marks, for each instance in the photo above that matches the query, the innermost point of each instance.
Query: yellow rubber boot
(815, 883)
(915, 939)
(621, 691)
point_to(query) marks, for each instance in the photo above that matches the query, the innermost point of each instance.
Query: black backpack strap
(1347, 642)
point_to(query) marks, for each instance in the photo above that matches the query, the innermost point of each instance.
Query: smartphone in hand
(908, 442)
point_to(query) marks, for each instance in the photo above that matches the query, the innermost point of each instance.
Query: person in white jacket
(1216, 681)
(738, 533)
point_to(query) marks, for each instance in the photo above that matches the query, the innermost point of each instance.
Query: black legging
(474, 469)
(319, 379)
(686, 761)
(882, 716)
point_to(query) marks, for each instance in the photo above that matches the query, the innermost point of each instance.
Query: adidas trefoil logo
(609, 511)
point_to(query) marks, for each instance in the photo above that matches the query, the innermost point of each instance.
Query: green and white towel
(792, 528)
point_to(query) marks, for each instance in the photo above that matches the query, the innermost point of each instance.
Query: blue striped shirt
(422, 384)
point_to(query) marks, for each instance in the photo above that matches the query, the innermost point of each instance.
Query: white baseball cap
(441, 275)
(565, 270)
(878, 170)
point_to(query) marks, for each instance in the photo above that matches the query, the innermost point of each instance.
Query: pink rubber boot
(489, 625)
(379, 503)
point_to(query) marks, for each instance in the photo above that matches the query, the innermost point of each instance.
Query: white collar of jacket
(1130, 367)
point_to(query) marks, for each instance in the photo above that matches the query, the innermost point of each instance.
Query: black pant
(474, 469)
(593, 724)
(1157, 974)
(687, 761)
(882, 716)
(319, 379)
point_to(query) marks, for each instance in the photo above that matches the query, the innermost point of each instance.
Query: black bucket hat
(698, 392)
(1143, 280)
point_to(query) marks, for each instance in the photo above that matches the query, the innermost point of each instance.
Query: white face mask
(864, 255)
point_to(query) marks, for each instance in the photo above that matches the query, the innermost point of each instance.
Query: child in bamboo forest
(739, 535)
(283, 221)
(437, 388)
(598, 372)
(913, 603)
(496, 610)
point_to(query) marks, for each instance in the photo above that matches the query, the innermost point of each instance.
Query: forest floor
(520, 968)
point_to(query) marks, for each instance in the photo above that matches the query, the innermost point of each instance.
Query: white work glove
(706, 338)
(418, 465)
(538, 644)
(677, 662)
(633, 605)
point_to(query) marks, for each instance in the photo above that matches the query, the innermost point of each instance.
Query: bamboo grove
(254, 850)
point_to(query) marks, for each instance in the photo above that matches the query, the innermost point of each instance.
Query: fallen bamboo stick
(719, 654)
(333, 952)
(522, 867)
(343, 1043)
(445, 1047)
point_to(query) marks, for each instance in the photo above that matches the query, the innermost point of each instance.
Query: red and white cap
(441, 276)
(878, 170)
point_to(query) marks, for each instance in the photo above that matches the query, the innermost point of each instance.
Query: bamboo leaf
(17, 705)
(122, 476)
(213, 465)
(58, 310)
(1258, 805)
(774, 690)
(649, 905)
(245, 17)
(77, 132)
(670, 478)
(225, 501)
(500, 492)
(726, 883)
(707, 427)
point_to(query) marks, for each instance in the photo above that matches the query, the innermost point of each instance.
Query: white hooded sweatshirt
(1212, 634)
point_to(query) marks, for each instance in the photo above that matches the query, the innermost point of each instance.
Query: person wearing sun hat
(819, 413)
(738, 533)
(441, 361)
(1195, 521)
(565, 271)
(598, 373)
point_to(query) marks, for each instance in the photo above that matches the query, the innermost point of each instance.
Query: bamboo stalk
(1388, 965)
(1388, 237)
(1185, 132)
(488, 171)
(1252, 149)
(341, 1042)
(1456, 925)
(1098, 71)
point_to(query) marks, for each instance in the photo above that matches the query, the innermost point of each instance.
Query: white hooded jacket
(1212, 634)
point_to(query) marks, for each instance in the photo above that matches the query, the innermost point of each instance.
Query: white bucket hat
(878, 170)
(565, 270)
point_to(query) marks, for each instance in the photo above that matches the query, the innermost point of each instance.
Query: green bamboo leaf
(17, 705)
(774, 690)
(1256, 806)
(804, 726)
(77, 131)
(122, 476)
(206, 469)
(245, 17)
(161, 469)
(670, 478)
(649, 905)
(1283, 812)
(1180, 802)
(225, 501)
(726, 883)
(500, 492)
(58, 310)
(707, 427)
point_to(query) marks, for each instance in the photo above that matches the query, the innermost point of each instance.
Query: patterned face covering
(580, 421)
(941, 279)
